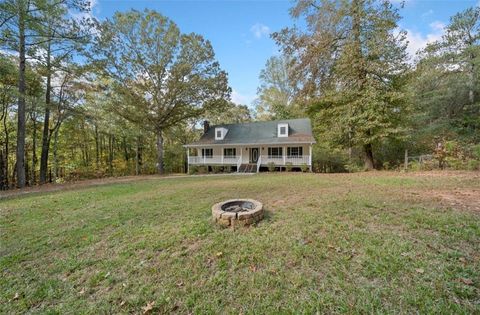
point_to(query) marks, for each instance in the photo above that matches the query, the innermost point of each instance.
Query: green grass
(360, 243)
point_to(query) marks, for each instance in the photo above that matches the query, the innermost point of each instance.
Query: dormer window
(282, 130)
(220, 133)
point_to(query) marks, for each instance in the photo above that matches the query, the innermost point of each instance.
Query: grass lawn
(340, 243)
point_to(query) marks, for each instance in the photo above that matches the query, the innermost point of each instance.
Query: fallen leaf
(253, 268)
(180, 284)
(82, 291)
(16, 296)
(219, 254)
(124, 285)
(466, 281)
(108, 274)
(147, 308)
(404, 254)
(122, 303)
(419, 270)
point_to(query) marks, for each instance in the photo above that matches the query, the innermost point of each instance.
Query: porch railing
(283, 160)
(214, 159)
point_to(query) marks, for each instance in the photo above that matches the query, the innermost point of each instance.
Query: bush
(227, 169)
(354, 167)
(202, 169)
(304, 167)
(473, 165)
(193, 169)
(271, 166)
(386, 165)
(216, 169)
(288, 166)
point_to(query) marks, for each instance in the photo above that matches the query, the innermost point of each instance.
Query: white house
(250, 147)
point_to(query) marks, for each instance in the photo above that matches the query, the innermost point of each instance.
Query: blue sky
(239, 30)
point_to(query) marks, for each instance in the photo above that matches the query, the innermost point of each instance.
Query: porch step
(247, 168)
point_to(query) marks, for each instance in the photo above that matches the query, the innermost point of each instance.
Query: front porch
(255, 157)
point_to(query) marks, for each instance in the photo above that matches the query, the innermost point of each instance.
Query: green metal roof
(261, 132)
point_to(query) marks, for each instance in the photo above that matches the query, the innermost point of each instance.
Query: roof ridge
(259, 121)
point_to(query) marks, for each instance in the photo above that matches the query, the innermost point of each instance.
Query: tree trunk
(55, 155)
(2, 171)
(111, 140)
(46, 123)
(7, 149)
(138, 157)
(160, 169)
(97, 156)
(34, 152)
(20, 154)
(368, 156)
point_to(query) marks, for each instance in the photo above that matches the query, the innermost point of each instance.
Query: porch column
(223, 152)
(310, 157)
(188, 161)
(284, 153)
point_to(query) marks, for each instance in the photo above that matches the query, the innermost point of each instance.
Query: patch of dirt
(464, 199)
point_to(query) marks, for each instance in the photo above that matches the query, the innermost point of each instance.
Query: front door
(253, 155)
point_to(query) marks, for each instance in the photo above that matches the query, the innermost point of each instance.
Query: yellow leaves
(147, 308)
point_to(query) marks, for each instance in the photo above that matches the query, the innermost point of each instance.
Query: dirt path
(93, 182)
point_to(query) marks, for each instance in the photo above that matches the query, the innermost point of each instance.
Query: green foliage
(473, 165)
(227, 169)
(193, 169)
(276, 92)
(304, 167)
(288, 166)
(216, 169)
(202, 169)
(271, 166)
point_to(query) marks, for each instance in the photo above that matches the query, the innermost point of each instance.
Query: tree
(348, 66)
(161, 77)
(276, 92)
(230, 114)
(23, 25)
(446, 83)
(63, 36)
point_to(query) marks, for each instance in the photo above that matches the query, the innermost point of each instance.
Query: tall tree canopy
(276, 93)
(348, 64)
(446, 82)
(161, 76)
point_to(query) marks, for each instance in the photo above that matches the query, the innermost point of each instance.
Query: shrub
(354, 167)
(288, 166)
(473, 165)
(304, 167)
(271, 166)
(227, 169)
(193, 169)
(386, 165)
(216, 169)
(202, 169)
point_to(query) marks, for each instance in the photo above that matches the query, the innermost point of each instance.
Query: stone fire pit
(237, 212)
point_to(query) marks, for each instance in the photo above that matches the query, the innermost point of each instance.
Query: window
(220, 133)
(229, 152)
(282, 130)
(275, 152)
(208, 153)
(294, 151)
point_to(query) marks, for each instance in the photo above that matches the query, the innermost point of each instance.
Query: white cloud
(427, 13)
(259, 30)
(243, 99)
(417, 40)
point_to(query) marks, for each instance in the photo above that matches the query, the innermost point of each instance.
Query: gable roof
(261, 132)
